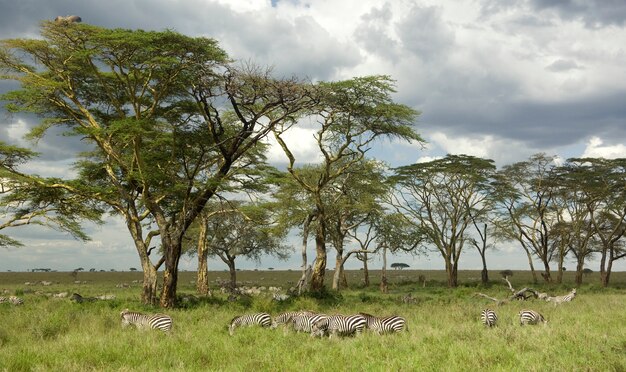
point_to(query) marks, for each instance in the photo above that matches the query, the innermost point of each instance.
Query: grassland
(49, 333)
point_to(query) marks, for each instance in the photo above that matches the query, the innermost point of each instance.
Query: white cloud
(596, 149)
(300, 142)
(502, 150)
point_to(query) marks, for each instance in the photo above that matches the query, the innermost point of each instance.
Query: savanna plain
(444, 328)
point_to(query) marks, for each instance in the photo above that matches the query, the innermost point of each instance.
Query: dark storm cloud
(538, 124)
(594, 13)
(424, 33)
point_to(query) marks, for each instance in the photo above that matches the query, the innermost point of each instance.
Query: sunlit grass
(444, 331)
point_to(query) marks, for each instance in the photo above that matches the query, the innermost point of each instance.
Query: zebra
(12, 299)
(339, 325)
(142, 321)
(286, 317)
(560, 299)
(261, 319)
(304, 322)
(531, 317)
(386, 324)
(489, 317)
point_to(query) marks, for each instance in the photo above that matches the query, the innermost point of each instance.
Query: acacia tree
(350, 115)
(169, 119)
(352, 199)
(576, 185)
(602, 182)
(28, 201)
(440, 197)
(242, 230)
(526, 197)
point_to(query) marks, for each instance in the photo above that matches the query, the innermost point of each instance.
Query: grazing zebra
(560, 299)
(489, 317)
(12, 299)
(142, 321)
(304, 322)
(385, 324)
(286, 317)
(261, 319)
(339, 325)
(531, 317)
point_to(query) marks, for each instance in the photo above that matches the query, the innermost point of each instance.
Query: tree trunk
(532, 266)
(202, 279)
(366, 273)
(149, 290)
(233, 274)
(319, 270)
(546, 274)
(338, 268)
(580, 264)
(383, 280)
(303, 284)
(559, 275)
(149, 287)
(604, 275)
(170, 274)
(451, 272)
(484, 274)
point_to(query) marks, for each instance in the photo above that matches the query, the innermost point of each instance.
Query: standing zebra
(531, 317)
(261, 319)
(489, 317)
(339, 325)
(560, 299)
(141, 321)
(385, 324)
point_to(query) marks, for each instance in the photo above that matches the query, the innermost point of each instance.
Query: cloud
(300, 141)
(562, 65)
(597, 149)
(593, 13)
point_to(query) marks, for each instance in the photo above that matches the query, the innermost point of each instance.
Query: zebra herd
(489, 317)
(320, 325)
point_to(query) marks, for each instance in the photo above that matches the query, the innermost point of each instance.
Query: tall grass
(444, 331)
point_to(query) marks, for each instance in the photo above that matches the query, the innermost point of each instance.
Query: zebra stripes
(489, 317)
(12, 300)
(560, 299)
(530, 317)
(260, 319)
(286, 318)
(385, 324)
(153, 321)
(339, 325)
(305, 322)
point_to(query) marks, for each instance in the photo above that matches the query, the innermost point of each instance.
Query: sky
(498, 79)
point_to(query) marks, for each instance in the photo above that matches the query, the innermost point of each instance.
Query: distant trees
(399, 265)
(348, 116)
(241, 230)
(440, 198)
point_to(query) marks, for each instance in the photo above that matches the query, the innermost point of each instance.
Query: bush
(506, 273)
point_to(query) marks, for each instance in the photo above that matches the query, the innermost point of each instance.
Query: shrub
(506, 273)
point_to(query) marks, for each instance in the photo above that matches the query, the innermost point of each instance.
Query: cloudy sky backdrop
(500, 79)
